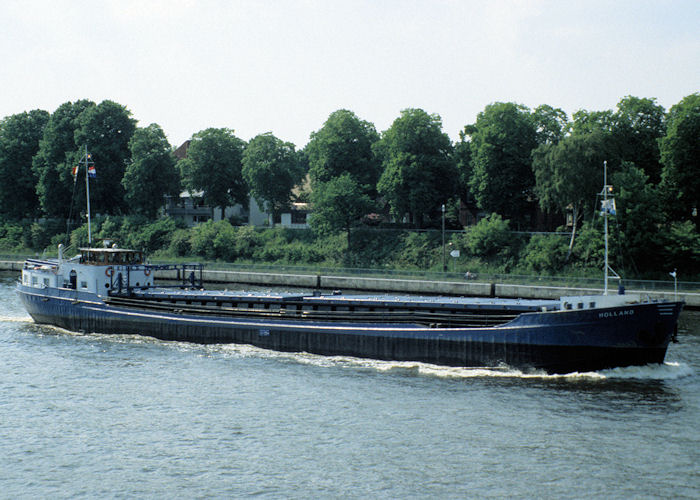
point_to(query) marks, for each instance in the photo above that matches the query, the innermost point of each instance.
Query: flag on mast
(92, 173)
(608, 206)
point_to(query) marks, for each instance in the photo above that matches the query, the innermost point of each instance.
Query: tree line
(525, 169)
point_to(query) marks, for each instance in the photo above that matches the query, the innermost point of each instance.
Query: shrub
(247, 240)
(545, 253)
(40, 234)
(79, 237)
(490, 238)
(224, 242)
(155, 235)
(202, 238)
(10, 236)
(682, 248)
(417, 251)
(180, 243)
(589, 247)
(112, 229)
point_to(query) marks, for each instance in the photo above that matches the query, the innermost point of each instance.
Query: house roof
(181, 152)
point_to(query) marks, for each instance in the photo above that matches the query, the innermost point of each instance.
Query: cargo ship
(112, 291)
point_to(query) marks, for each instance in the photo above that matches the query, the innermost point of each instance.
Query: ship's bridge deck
(110, 256)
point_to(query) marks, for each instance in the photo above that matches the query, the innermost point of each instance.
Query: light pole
(444, 265)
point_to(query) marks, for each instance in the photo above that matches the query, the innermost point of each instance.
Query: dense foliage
(418, 168)
(523, 181)
(151, 173)
(19, 142)
(344, 145)
(272, 168)
(106, 130)
(213, 166)
(502, 140)
(338, 205)
(54, 160)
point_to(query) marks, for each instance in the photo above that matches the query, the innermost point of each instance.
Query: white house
(190, 208)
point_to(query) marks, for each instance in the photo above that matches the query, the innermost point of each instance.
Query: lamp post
(444, 265)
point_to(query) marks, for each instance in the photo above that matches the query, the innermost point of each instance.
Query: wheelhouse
(110, 257)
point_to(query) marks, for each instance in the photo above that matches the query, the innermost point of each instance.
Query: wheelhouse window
(110, 256)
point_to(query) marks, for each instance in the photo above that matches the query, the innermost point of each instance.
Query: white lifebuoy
(109, 272)
(147, 272)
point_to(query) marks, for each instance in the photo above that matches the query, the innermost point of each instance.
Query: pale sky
(284, 66)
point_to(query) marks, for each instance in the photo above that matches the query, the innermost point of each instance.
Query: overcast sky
(284, 66)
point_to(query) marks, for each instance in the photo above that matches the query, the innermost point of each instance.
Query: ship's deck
(336, 300)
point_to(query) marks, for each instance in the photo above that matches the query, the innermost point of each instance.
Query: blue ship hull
(561, 341)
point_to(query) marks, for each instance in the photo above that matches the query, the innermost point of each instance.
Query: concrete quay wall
(397, 285)
(10, 265)
(417, 286)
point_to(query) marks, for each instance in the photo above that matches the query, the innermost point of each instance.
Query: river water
(95, 416)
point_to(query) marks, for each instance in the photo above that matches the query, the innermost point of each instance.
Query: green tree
(338, 205)
(638, 219)
(272, 168)
(503, 138)
(54, 161)
(463, 161)
(491, 237)
(19, 141)
(585, 122)
(418, 166)
(589, 249)
(639, 123)
(213, 166)
(544, 253)
(631, 132)
(569, 173)
(681, 248)
(106, 130)
(151, 172)
(551, 124)
(680, 156)
(343, 145)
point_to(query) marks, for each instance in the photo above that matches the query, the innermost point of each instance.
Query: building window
(298, 217)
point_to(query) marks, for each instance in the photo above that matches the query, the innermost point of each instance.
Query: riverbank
(473, 288)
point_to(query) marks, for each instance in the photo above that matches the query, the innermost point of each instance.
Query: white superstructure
(95, 270)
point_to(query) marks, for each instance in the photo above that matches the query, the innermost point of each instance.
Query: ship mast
(87, 159)
(608, 206)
